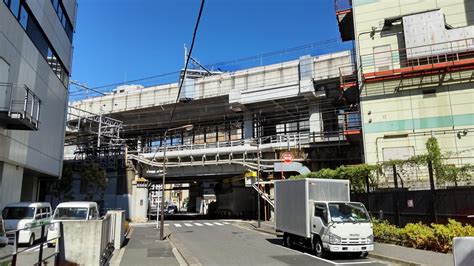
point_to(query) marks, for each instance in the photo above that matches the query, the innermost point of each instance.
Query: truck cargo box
(293, 201)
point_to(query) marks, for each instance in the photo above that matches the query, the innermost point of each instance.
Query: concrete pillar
(315, 121)
(11, 180)
(29, 188)
(248, 126)
(138, 212)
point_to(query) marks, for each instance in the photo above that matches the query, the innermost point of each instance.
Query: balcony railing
(19, 107)
(427, 59)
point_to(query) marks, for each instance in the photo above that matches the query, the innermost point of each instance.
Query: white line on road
(218, 224)
(188, 224)
(209, 224)
(177, 225)
(198, 224)
(167, 225)
(225, 223)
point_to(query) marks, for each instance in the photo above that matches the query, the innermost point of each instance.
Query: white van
(28, 216)
(71, 211)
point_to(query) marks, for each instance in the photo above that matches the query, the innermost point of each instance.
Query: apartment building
(35, 64)
(415, 65)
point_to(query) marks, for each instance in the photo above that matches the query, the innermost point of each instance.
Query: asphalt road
(230, 243)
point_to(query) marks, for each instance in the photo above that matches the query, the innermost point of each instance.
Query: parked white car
(28, 216)
(71, 211)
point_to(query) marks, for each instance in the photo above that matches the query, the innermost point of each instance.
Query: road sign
(287, 157)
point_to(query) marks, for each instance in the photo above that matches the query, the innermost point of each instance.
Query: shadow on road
(338, 257)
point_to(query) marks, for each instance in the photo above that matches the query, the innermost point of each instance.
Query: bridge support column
(315, 122)
(139, 202)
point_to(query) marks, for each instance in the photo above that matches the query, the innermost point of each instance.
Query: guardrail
(420, 58)
(350, 121)
(15, 234)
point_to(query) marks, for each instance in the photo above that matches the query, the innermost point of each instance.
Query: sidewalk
(145, 248)
(393, 253)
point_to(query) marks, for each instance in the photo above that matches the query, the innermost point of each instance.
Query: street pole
(258, 181)
(162, 209)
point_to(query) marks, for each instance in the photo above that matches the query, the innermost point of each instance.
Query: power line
(187, 61)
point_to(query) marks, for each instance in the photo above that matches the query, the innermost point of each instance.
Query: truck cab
(341, 227)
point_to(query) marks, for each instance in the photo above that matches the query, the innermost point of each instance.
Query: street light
(162, 209)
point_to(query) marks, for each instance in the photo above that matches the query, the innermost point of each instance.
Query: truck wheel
(287, 240)
(318, 248)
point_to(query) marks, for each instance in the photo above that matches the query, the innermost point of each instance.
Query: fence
(13, 255)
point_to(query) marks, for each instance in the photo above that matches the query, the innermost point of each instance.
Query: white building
(35, 63)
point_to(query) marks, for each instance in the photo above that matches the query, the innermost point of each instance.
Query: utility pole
(258, 181)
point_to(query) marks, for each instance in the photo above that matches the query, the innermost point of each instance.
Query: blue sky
(123, 40)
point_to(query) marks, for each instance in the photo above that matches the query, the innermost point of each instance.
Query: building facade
(415, 65)
(35, 64)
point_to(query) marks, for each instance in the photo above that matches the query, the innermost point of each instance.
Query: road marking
(209, 224)
(177, 225)
(188, 224)
(225, 223)
(218, 224)
(167, 225)
(198, 224)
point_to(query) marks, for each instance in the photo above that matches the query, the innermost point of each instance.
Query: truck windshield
(348, 212)
(16, 213)
(70, 213)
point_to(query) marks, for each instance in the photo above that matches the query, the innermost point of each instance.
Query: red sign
(287, 157)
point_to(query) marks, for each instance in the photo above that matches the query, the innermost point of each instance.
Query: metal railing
(350, 121)
(20, 103)
(42, 260)
(406, 60)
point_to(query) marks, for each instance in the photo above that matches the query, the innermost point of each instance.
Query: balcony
(19, 107)
(416, 62)
(345, 19)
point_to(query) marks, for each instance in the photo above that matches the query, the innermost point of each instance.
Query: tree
(62, 189)
(93, 181)
(357, 174)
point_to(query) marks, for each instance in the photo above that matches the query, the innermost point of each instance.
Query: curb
(371, 255)
(394, 260)
(182, 254)
(179, 257)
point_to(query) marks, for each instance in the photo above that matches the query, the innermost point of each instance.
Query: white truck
(317, 214)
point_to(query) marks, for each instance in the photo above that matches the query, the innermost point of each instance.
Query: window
(23, 18)
(18, 213)
(63, 18)
(321, 211)
(70, 213)
(38, 37)
(15, 7)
